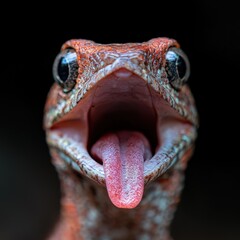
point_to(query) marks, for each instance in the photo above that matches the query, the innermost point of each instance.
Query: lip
(127, 99)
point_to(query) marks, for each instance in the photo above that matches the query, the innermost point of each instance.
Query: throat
(88, 213)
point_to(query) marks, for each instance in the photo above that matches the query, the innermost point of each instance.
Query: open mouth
(122, 134)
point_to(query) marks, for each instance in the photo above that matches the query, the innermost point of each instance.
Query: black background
(209, 32)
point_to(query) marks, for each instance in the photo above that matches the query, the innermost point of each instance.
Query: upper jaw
(60, 106)
(71, 136)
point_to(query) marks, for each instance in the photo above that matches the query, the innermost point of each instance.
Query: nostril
(123, 73)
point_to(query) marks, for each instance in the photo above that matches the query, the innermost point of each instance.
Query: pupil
(181, 67)
(63, 70)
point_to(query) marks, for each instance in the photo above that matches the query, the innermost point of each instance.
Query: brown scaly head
(121, 114)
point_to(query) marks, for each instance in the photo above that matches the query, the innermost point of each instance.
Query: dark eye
(177, 67)
(65, 69)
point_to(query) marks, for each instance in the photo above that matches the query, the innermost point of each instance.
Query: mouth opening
(122, 134)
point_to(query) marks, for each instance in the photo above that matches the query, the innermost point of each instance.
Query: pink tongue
(123, 154)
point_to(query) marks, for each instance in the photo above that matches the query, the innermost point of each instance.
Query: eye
(177, 67)
(65, 69)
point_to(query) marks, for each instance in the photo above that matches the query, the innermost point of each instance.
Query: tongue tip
(127, 204)
(127, 200)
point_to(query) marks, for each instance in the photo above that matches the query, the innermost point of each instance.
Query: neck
(87, 212)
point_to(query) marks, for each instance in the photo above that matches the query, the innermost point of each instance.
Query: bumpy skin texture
(87, 212)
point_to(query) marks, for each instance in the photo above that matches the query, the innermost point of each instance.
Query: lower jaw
(153, 168)
(76, 154)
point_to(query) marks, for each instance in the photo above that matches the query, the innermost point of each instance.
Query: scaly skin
(87, 212)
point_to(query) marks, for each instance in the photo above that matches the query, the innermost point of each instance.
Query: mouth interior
(117, 113)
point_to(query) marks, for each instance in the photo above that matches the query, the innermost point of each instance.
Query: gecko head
(121, 114)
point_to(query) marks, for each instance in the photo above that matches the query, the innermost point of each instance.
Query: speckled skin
(87, 212)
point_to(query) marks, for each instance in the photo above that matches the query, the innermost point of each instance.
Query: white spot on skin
(75, 166)
(158, 219)
(163, 203)
(91, 218)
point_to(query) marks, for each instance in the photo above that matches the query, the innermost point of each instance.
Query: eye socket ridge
(177, 67)
(65, 69)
